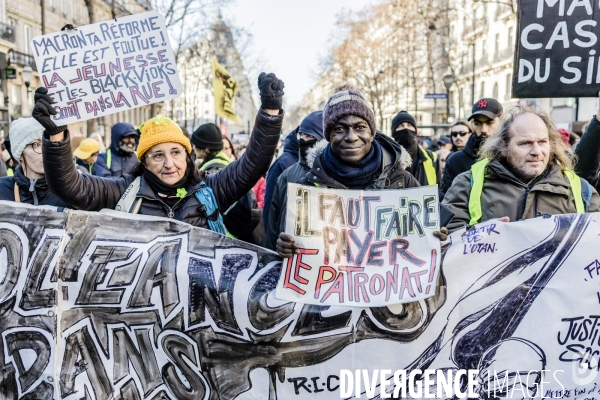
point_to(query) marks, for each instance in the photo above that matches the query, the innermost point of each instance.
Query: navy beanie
(401, 117)
(313, 125)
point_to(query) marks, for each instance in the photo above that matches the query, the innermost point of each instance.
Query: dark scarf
(305, 146)
(355, 175)
(407, 139)
(166, 192)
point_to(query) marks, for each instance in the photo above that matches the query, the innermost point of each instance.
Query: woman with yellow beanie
(165, 182)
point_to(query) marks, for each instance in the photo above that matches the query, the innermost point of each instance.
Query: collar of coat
(552, 176)
(394, 158)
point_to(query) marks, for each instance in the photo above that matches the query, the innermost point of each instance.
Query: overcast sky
(291, 35)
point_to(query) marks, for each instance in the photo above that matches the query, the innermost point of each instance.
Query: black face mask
(305, 145)
(407, 139)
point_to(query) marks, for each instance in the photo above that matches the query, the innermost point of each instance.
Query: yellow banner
(225, 89)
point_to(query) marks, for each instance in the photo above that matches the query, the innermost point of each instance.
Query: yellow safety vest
(220, 158)
(430, 172)
(9, 172)
(478, 176)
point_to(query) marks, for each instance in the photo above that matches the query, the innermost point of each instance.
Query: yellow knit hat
(160, 129)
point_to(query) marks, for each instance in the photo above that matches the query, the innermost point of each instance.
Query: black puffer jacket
(588, 154)
(393, 175)
(92, 193)
(34, 192)
(460, 162)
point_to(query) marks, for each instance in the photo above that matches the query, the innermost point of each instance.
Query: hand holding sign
(43, 110)
(286, 246)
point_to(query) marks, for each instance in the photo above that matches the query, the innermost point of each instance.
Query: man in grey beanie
(357, 156)
(28, 185)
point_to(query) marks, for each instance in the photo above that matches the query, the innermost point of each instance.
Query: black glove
(43, 110)
(271, 91)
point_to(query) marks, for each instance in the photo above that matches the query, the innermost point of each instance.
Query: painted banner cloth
(107, 67)
(117, 306)
(361, 248)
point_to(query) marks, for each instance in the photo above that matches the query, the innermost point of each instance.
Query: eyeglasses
(36, 146)
(159, 156)
(461, 133)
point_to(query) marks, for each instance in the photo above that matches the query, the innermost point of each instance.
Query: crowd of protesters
(507, 165)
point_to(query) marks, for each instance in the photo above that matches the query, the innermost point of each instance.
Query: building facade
(21, 21)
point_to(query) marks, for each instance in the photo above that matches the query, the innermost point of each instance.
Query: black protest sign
(108, 67)
(557, 49)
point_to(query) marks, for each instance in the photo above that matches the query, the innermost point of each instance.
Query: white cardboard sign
(107, 67)
(361, 248)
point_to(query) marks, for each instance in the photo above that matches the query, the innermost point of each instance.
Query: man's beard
(124, 147)
(521, 170)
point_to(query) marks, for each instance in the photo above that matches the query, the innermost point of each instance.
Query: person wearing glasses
(485, 121)
(28, 183)
(165, 182)
(86, 155)
(459, 135)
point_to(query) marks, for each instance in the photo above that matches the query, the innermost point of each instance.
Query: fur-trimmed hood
(387, 144)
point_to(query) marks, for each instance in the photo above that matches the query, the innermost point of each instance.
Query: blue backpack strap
(207, 199)
(586, 193)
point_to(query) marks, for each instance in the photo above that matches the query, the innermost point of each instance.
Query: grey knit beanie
(348, 102)
(22, 132)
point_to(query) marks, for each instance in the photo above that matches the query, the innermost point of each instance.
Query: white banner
(131, 307)
(108, 67)
(361, 248)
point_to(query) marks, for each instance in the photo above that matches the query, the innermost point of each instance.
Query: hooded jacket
(121, 162)
(460, 162)
(34, 192)
(504, 195)
(293, 174)
(92, 193)
(419, 171)
(291, 149)
(588, 154)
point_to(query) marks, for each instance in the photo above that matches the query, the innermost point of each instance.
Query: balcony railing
(21, 59)
(504, 54)
(7, 32)
(483, 61)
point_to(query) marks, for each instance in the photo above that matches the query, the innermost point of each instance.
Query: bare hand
(442, 234)
(503, 219)
(286, 246)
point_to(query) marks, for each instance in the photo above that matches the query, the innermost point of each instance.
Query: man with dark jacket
(283, 162)
(588, 152)
(357, 157)
(310, 141)
(120, 158)
(525, 172)
(485, 120)
(424, 166)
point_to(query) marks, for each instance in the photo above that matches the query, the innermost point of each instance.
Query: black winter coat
(39, 195)
(460, 162)
(92, 193)
(588, 154)
(417, 169)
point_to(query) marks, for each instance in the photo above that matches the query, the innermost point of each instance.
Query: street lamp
(27, 75)
(448, 82)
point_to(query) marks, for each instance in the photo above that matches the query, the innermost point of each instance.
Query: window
(482, 90)
(497, 44)
(495, 92)
(508, 94)
(511, 39)
(27, 37)
(73, 10)
(52, 4)
(63, 7)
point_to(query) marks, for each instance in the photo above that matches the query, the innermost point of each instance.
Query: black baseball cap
(489, 107)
